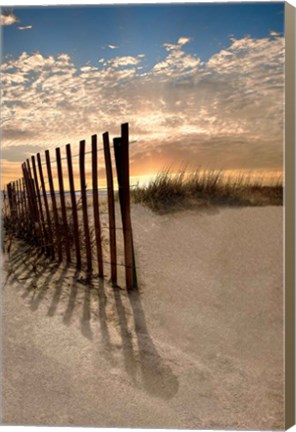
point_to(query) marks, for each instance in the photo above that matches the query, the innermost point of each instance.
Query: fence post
(29, 194)
(18, 204)
(10, 198)
(54, 205)
(32, 191)
(49, 225)
(15, 199)
(94, 149)
(63, 204)
(26, 205)
(111, 208)
(41, 218)
(19, 188)
(5, 206)
(74, 206)
(121, 150)
(31, 207)
(84, 204)
(35, 177)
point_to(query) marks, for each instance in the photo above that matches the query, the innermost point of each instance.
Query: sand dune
(200, 345)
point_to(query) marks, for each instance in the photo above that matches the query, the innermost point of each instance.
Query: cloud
(248, 56)
(8, 18)
(183, 40)
(123, 61)
(25, 28)
(112, 47)
(223, 113)
(177, 63)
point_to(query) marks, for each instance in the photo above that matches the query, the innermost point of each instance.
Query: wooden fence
(37, 209)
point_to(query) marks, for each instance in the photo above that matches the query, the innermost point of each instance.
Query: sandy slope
(199, 347)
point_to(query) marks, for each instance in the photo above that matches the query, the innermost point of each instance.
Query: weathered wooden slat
(5, 202)
(121, 150)
(21, 197)
(31, 207)
(96, 204)
(40, 207)
(24, 196)
(20, 202)
(126, 188)
(32, 191)
(84, 204)
(50, 243)
(125, 143)
(74, 206)
(9, 196)
(111, 208)
(35, 177)
(29, 194)
(63, 205)
(15, 199)
(54, 206)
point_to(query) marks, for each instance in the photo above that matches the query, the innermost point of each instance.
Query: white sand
(200, 347)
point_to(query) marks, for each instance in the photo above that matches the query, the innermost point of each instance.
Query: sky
(200, 85)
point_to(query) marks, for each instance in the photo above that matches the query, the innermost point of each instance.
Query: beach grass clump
(171, 192)
(20, 228)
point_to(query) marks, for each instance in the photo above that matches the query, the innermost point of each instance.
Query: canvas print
(142, 215)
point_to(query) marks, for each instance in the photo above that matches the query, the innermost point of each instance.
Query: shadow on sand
(41, 281)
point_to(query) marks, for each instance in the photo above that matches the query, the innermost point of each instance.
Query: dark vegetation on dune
(169, 192)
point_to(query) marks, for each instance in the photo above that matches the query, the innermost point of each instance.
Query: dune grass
(171, 192)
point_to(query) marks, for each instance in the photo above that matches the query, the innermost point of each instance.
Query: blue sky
(82, 32)
(200, 84)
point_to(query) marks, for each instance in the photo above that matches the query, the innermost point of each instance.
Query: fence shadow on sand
(109, 316)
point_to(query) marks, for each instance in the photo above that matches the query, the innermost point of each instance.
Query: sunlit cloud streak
(112, 47)
(25, 28)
